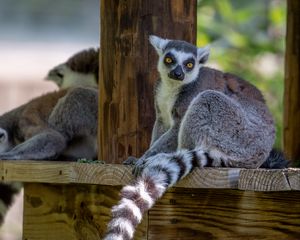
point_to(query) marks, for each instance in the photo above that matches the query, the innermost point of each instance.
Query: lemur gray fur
(204, 117)
(58, 125)
(81, 69)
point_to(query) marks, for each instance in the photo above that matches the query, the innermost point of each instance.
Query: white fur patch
(126, 203)
(158, 43)
(123, 224)
(72, 78)
(144, 194)
(113, 237)
(165, 98)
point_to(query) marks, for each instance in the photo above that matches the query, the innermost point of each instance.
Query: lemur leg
(167, 143)
(46, 145)
(230, 134)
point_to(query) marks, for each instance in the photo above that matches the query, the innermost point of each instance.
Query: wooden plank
(119, 175)
(291, 118)
(293, 176)
(70, 212)
(128, 69)
(65, 172)
(191, 214)
(211, 178)
(263, 180)
(53, 211)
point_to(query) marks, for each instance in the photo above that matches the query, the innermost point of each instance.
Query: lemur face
(4, 141)
(65, 77)
(178, 60)
(57, 74)
(81, 69)
(178, 65)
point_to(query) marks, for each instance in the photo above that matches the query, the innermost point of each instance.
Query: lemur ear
(158, 43)
(203, 54)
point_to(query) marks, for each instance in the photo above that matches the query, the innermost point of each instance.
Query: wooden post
(128, 69)
(292, 83)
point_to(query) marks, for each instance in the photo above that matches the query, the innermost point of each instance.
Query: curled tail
(275, 160)
(7, 193)
(161, 172)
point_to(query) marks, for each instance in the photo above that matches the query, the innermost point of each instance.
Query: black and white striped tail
(7, 194)
(162, 171)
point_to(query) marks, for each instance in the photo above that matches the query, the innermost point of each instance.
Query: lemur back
(204, 117)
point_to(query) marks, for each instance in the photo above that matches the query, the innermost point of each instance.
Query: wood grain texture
(81, 212)
(119, 175)
(191, 214)
(263, 180)
(293, 176)
(291, 139)
(70, 212)
(128, 69)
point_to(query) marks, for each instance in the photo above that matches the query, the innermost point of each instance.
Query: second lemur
(204, 117)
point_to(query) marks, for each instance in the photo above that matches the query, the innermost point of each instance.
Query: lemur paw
(139, 166)
(130, 160)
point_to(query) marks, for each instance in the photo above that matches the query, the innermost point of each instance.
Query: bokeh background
(246, 38)
(36, 35)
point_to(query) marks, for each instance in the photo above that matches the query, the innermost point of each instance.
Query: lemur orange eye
(168, 60)
(190, 65)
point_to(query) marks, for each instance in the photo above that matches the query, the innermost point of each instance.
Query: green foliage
(247, 38)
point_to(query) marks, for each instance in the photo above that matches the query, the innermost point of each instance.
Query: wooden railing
(73, 200)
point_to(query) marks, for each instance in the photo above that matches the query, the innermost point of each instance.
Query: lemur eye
(190, 65)
(168, 60)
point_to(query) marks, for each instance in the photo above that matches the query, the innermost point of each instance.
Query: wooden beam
(224, 214)
(76, 212)
(291, 136)
(119, 175)
(70, 212)
(128, 69)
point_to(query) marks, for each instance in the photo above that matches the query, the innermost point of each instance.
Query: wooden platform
(73, 200)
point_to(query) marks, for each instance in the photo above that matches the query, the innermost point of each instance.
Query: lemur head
(178, 60)
(5, 143)
(80, 69)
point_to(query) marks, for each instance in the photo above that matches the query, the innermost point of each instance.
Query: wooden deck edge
(119, 175)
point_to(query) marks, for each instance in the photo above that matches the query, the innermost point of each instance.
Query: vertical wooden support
(128, 69)
(292, 83)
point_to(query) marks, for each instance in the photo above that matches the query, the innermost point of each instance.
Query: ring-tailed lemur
(81, 69)
(204, 117)
(61, 124)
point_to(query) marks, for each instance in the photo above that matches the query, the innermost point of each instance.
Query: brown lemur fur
(58, 125)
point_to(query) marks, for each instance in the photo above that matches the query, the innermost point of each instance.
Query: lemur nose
(177, 73)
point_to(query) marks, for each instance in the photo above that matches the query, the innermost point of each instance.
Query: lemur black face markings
(198, 124)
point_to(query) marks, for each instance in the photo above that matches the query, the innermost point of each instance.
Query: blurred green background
(247, 38)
